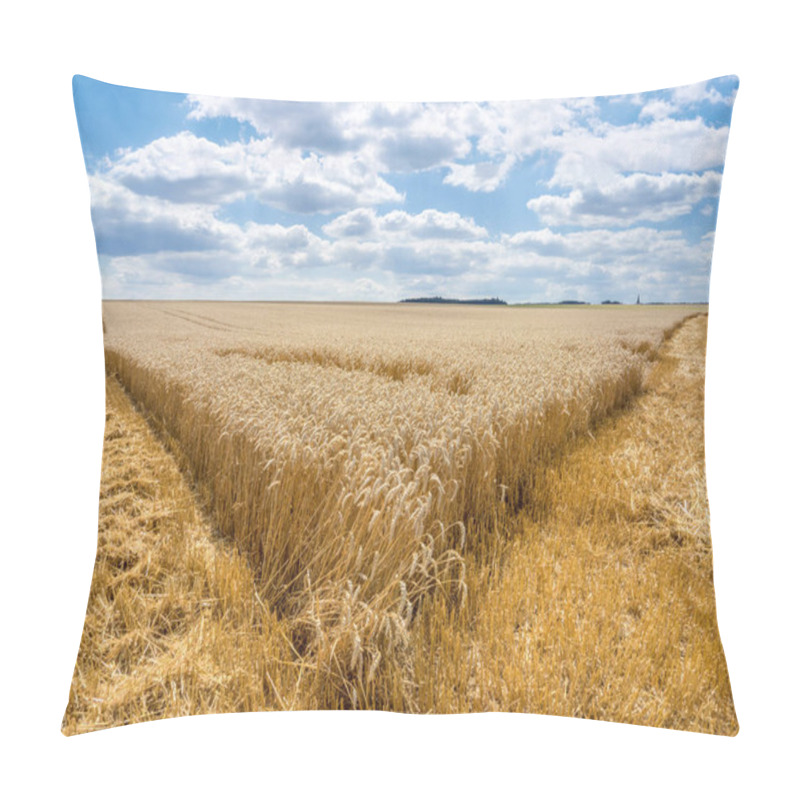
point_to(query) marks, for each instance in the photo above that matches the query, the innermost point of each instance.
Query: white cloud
(319, 185)
(365, 224)
(697, 93)
(340, 151)
(295, 125)
(406, 137)
(389, 137)
(626, 200)
(666, 145)
(157, 208)
(521, 128)
(153, 247)
(360, 223)
(645, 247)
(176, 236)
(482, 176)
(280, 238)
(186, 168)
(658, 109)
(332, 157)
(683, 98)
(275, 261)
(127, 222)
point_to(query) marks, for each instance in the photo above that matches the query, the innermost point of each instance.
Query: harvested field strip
(604, 606)
(173, 625)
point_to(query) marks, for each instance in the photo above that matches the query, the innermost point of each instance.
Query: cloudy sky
(587, 199)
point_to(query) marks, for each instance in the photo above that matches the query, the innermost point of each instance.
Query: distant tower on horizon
(638, 299)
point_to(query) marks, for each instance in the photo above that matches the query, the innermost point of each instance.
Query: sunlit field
(403, 507)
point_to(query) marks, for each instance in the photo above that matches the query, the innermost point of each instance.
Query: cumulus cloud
(628, 199)
(695, 93)
(364, 223)
(179, 205)
(521, 128)
(681, 99)
(390, 137)
(165, 248)
(187, 168)
(308, 126)
(665, 145)
(411, 154)
(478, 143)
(129, 223)
(270, 259)
(361, 223)
(315, 186)
(406, 137)
(658, 109)
(482, 176)
(279, 238)
(646, 246)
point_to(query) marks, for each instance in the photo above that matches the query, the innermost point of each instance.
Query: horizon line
(444, 302)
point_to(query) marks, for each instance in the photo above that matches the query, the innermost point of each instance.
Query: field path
(173, 624)
(604, 606)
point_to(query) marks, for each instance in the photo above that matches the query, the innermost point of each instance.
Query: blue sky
(197, 197)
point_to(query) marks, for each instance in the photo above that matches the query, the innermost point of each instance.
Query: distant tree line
(496, 301)
(486, 301)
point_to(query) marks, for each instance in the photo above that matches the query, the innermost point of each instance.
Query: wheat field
(427, 509)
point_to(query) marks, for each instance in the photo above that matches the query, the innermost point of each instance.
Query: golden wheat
(604, 606)
(174, 625)
(357, 455)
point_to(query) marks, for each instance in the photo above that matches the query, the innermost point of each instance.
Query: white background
(52, 391)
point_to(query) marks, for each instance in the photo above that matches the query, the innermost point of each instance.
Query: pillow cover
(404, 407)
